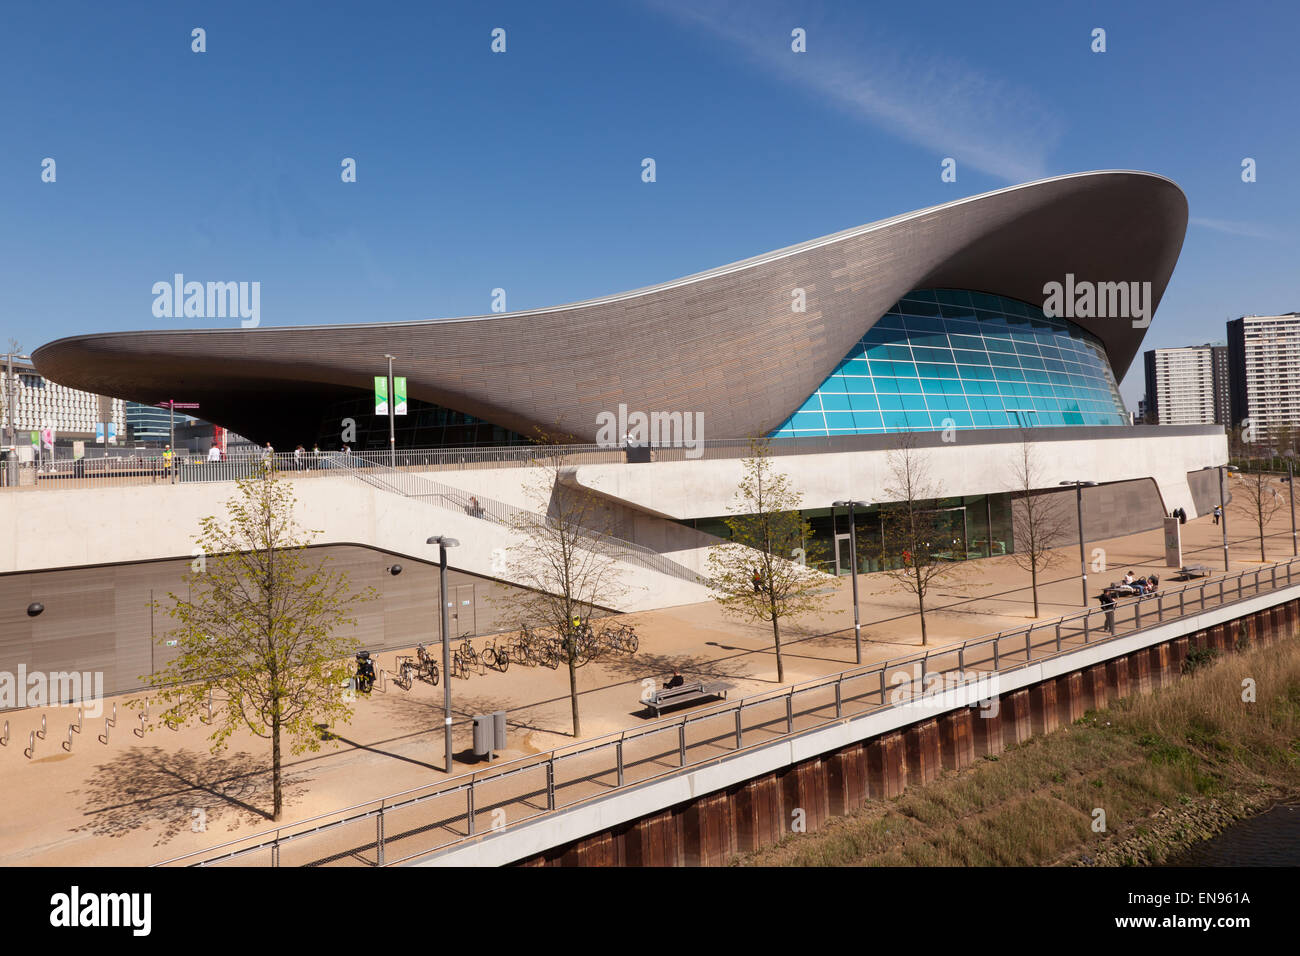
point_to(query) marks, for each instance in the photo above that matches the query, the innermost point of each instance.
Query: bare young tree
(762, 573)
(1040, 522)
(1259, 501)
(914, 533)
(567, 562)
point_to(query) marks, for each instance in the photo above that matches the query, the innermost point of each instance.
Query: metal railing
(416, 822)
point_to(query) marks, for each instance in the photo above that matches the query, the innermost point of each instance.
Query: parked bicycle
(622, 638)
(405, 675)
(466, 658)
(427, 666)
(496, 656)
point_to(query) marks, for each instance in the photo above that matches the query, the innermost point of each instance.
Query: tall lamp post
(443, 544)
(1290, 484)
(392, 421)
(1083, 561)
(1223, 508)
(853, 568)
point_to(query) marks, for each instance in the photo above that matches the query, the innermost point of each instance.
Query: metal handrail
(787, 694)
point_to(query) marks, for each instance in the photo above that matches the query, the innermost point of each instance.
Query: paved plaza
(141, 798)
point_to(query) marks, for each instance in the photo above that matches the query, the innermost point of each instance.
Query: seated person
(675, 681)
(1153, 582)
(1128, 578)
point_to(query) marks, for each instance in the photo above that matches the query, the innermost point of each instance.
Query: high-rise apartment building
(1187, 386)
(1264, 360)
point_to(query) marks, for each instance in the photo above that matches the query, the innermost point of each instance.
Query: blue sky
(522, 170)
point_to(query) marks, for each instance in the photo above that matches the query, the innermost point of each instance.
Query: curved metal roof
(725, 342)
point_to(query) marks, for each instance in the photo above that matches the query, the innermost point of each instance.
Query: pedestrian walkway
(136, 800)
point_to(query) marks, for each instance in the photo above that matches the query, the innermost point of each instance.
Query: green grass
(1167, 769)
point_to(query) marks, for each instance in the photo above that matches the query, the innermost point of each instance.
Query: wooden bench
(662, 700)
(1189, 571)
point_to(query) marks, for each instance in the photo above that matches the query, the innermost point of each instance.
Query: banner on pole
(381, 394)
(399, 396)
(47, 437)
(106, 430)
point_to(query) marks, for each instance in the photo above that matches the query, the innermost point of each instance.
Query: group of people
(1129, 584)
(1180, 514)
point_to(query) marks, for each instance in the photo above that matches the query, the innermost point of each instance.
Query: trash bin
(482, 735)
(499, 729)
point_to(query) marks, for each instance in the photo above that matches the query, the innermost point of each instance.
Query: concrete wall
(127, 524)
(971, 465)
(100, 618)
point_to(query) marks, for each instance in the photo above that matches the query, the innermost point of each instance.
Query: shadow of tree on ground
(152, 788)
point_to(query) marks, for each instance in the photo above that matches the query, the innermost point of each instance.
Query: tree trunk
(277, 790)
(920, 603)
(573, 689)
(1033, 578)
(776, 636)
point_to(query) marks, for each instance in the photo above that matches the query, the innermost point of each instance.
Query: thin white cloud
(1249, 229)
(928, 99)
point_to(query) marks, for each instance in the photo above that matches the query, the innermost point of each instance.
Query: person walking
(757, 578)
(1107, 599)
(1218, 512)
(214, 453)
(297, 458)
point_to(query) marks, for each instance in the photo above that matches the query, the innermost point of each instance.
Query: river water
(1270, 839)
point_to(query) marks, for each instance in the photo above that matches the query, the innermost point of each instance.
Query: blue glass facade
(980, 360)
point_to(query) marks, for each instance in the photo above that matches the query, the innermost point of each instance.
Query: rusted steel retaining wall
(710, 829)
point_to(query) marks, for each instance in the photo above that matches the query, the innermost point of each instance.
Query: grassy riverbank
(1168, 769)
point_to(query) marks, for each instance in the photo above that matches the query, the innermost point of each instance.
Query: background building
(1187, 386)
(31, 402)
(1264, 362)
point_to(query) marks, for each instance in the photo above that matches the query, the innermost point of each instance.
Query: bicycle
(624, 639)
(522, 649)
(404, 677)
(467, 657)
(497, 658)
(428, 667)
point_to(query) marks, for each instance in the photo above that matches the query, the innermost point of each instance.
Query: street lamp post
(853, 569)
(392, 413)
(1083, 561)
(443, 544)
(1290, 484)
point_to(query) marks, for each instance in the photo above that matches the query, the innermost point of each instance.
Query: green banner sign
(381, 395)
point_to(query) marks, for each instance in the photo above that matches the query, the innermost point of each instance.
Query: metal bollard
(469, 807)
(839, 706)
(107, 725)
(550, 784)
(41, 733)
(379, 834)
